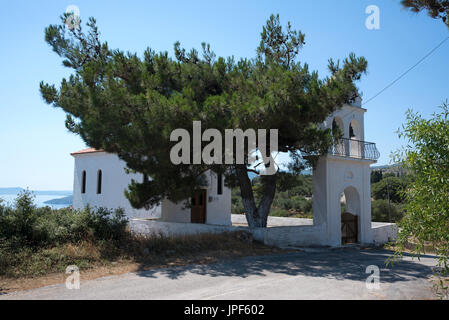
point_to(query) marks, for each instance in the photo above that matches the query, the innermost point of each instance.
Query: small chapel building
(341, 195)
(100, 180)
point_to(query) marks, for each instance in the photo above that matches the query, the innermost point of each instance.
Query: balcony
(355, 149)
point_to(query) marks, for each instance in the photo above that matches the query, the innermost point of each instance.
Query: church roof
(88, 150)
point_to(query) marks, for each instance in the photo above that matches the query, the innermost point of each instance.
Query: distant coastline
(66, 200)
(17, 190)
(55, 199)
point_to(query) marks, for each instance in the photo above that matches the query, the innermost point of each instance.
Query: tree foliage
(381, 209)
(376, 176)
(426, 156)
(392, 187)
(128, 105)
(437, 9)
(293, 197)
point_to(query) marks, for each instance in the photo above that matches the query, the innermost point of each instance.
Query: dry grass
(411, 245)
(46, 266)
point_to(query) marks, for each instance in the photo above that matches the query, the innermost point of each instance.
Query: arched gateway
(349, 216)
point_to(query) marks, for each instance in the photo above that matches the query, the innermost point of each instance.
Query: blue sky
(35, 145)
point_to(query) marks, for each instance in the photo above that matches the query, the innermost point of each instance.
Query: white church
(101, 179)
(343, 174)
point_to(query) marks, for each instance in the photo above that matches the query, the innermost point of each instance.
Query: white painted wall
(116, 181)
(346, 174)
(218, 207)
(176, 229)
(347, 114)
(384, 232)
(335, 175)
(278, 236)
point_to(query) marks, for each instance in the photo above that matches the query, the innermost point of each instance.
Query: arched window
(334, 127)
(356, 148)
(354, 130)
(351, 132)
(99, 178)
(83, 182)
(337, 126)
(219, 183)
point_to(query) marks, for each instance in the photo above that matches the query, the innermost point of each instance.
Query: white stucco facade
(115, 180)
(218, 207)
(345, 171)
(333, 177)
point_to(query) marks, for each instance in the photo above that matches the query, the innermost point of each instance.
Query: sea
(38, 200)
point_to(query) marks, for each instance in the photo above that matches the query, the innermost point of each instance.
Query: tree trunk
(264, 207)
(255, 216)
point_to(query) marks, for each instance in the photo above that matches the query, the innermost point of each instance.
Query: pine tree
(129, 105)
(437, 9)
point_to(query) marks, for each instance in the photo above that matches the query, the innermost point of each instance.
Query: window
(351, 131)
(99, 178)
(219, 183)
(354, 130)
(337, 125)
(83, 182)
(334, 127)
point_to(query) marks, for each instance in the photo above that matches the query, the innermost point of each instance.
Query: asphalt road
(328, 274)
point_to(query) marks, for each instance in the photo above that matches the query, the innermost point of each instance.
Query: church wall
(115, 181)
(218, 207)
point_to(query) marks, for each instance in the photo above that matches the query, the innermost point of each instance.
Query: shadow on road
(336, 264)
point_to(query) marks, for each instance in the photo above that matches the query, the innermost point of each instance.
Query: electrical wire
(407, 71)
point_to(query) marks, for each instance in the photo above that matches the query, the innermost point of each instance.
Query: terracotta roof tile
(88, 150)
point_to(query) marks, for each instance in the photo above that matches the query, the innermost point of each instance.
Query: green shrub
(18, 220)
(236, 202)
(28, 225)
(284, 204)
(237, 209)
(379, 211)
(295, 203)
(280, 213)
(291, 193)
(392, 185)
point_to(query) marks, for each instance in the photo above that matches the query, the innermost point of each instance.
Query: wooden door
(198, 208)
(349, 228)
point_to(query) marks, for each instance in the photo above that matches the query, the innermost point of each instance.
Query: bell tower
(341, 180)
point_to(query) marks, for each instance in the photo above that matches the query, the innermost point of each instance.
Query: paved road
(330, 274)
